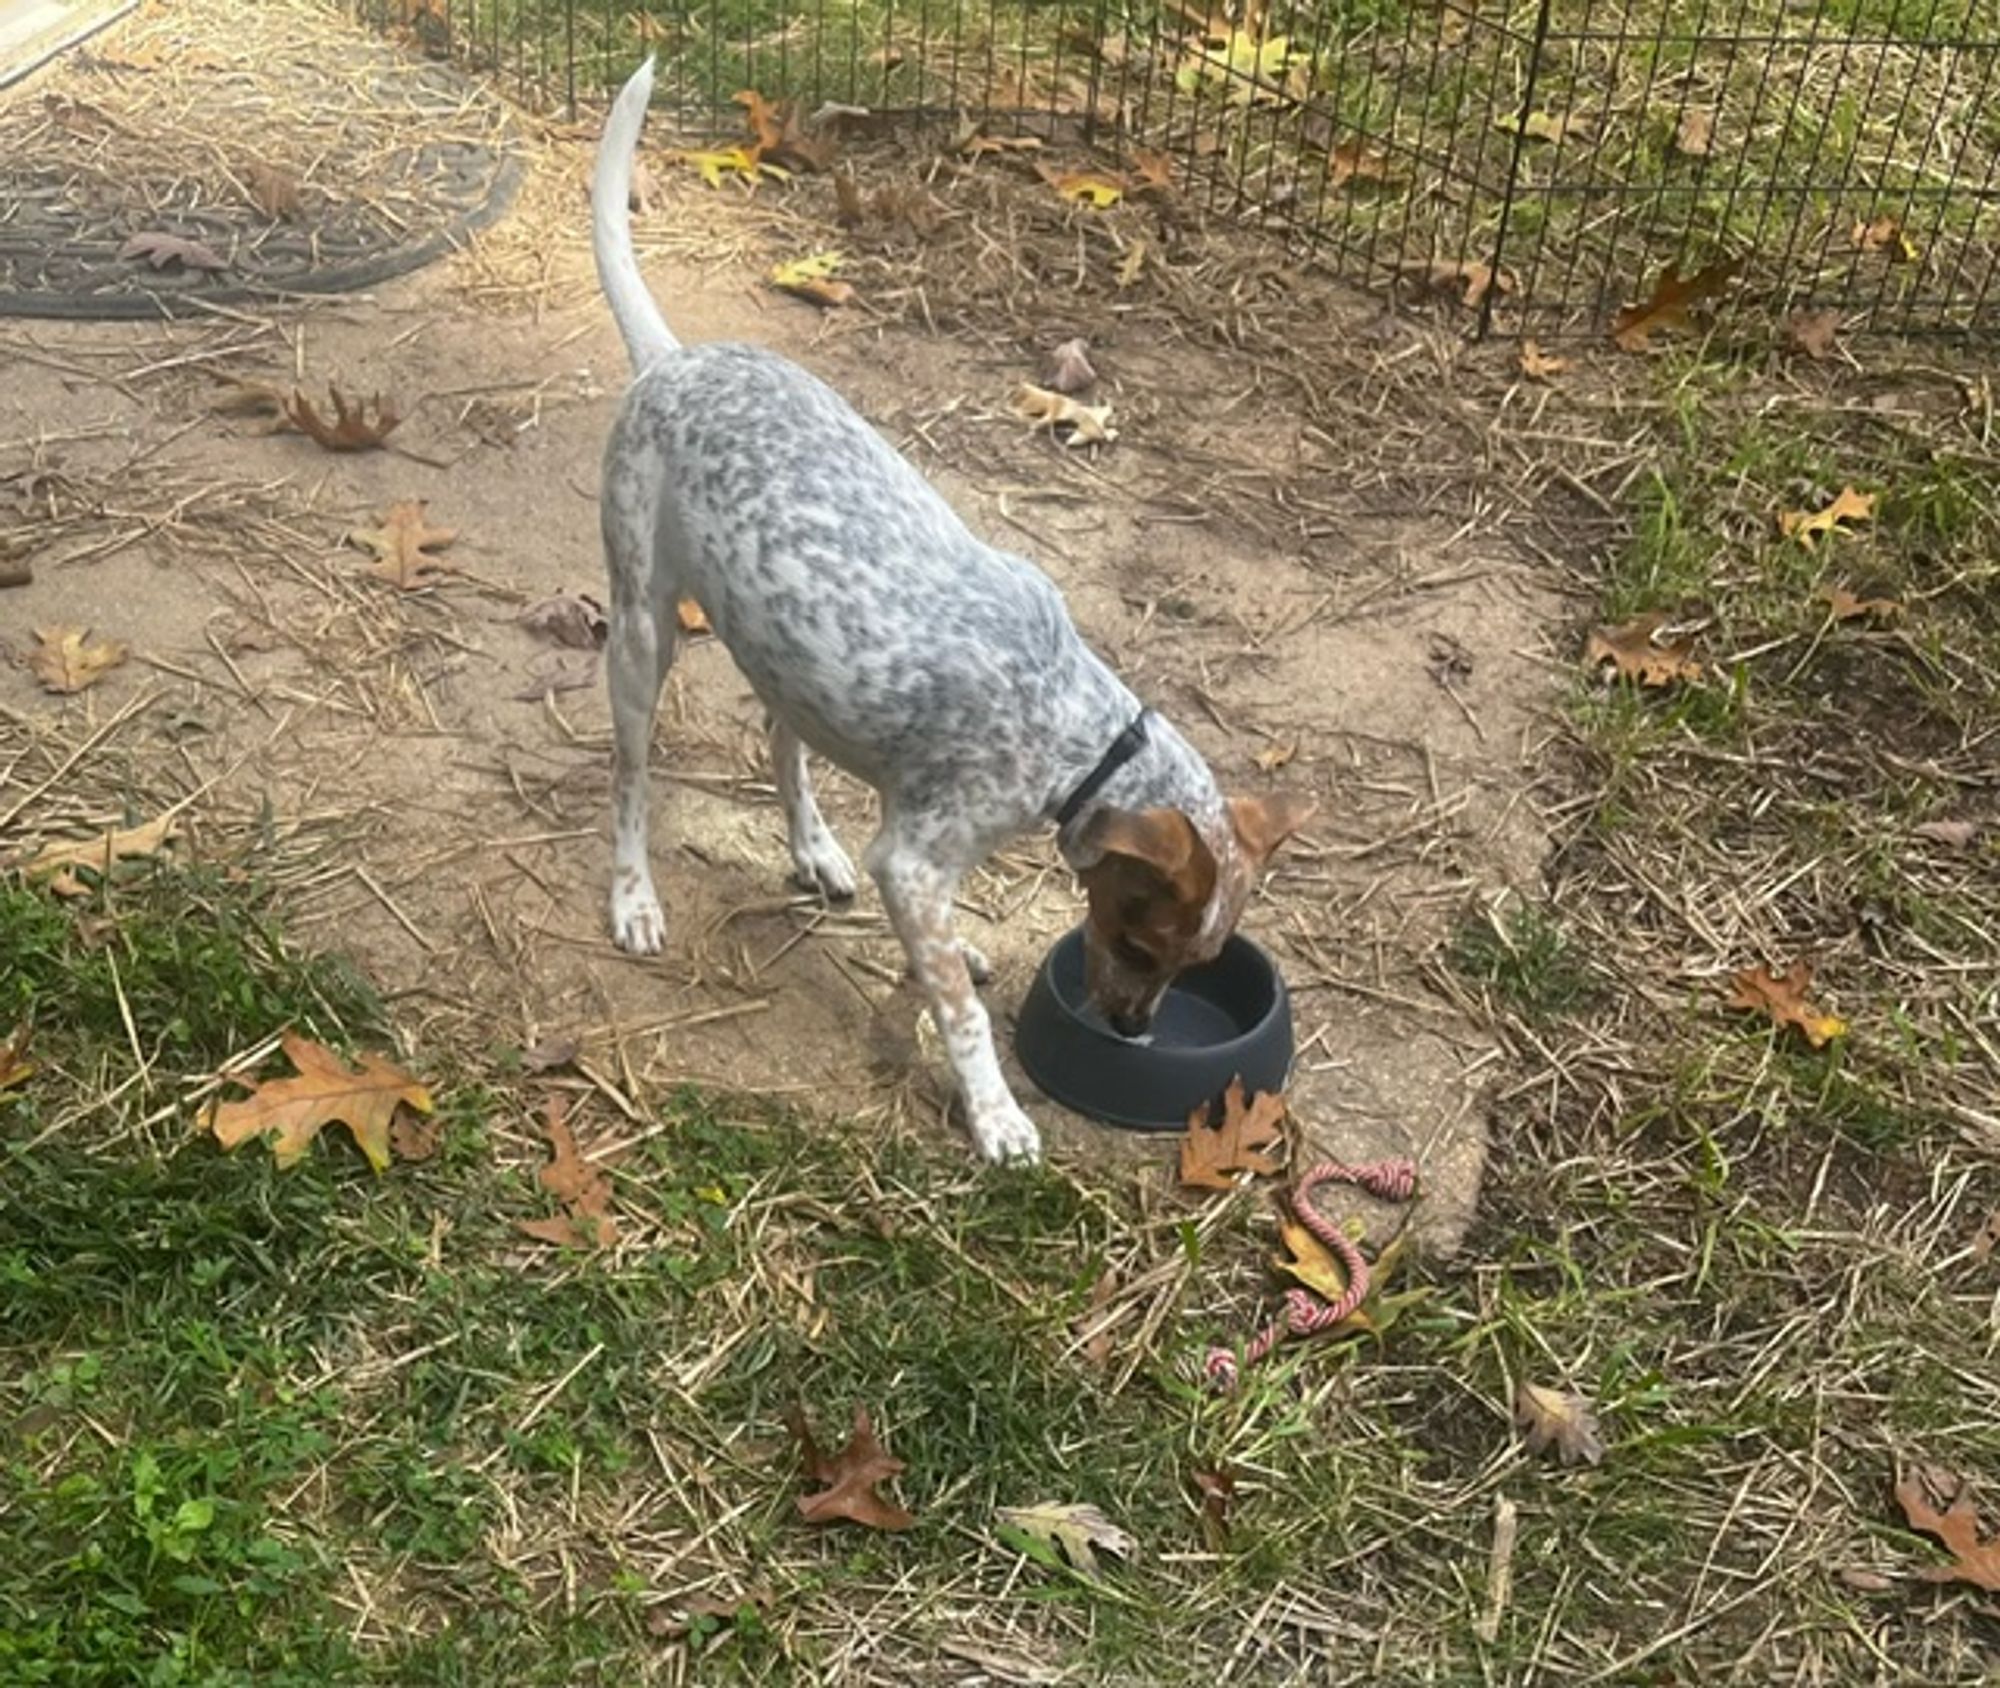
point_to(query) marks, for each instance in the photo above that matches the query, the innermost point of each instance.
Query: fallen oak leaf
(1216, 1485)
(850, 1476)
(811, 278)
(1975, 1556)
(1156, 171)
(1814, 332)
(65, 661)
(273, 191)
(352, 428)
(1759, 990)
(160, 249)
(1088, 424)
(1635, 652)
(1957, 835)
(1847, 506)
(59, 862)
(325, 1091)
(1537, 365)
(402, 546)
(1074, 1530)
(1667, 307)
(583, 1188)
(1843, 605)
(1316, 1266)
(1276, 755)
(692, 618)
(1560, 1419)
(1469, 279)
(572, 619)
(1355, 161)
(1696, 134)
(1886, 234)
(1210, 1154)
(777, 136)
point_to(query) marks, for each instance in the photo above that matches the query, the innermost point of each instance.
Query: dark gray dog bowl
(1227, 1019)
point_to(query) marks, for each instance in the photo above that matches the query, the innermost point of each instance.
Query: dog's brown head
(1164, 898)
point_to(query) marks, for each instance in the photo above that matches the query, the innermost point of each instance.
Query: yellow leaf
(809, 278)
(1783, 998)
(292, 1111)
(1084, 187)
(1849, 506)
(1885, 234)
(65, 661)
(741, 161)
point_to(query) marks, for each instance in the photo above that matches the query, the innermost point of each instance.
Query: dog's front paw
(822, 866)
(638, 926)
(1005, 1135)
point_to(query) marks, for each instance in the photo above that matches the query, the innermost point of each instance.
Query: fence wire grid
(1542, 163)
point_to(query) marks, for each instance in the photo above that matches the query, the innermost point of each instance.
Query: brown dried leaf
(1696, 133)
(572, 619)
(14, 1063)
(850, 1476)
(1847, 506)
(1816, 333)
(776, 134)
(1559, 1419)
(128, 844)
(976, 145)
(1958, 835)
(1217, 1487)
(1975, 1554)
(1843, 605)
(558, 671)
(352, 428)
(1759, 990)
(1634, 652)
(65, 661)
(415, 1137)
(1537, 365)
(292, 1111)
(1088, 424)
(1885, 234)
(273, 191)
(812, 279)
(848, 210)
(1210, 1154)
(693, 621)
(1156, 171)
(401, 546)
(161, 249)
(1355, 161)
(583, 1189)
(1633, 327)
(1469, 279)
(1984, 1240)
(1069, 368)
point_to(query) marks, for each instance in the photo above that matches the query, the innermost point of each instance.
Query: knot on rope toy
(1305, 1313)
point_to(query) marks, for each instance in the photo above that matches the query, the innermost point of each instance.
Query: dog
(877, 631)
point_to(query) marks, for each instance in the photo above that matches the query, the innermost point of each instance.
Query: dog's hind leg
(640, 651)
(818, 861)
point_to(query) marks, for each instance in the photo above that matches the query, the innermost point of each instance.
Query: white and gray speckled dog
(878, 631)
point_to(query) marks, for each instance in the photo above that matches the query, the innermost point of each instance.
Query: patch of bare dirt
(1319, 603)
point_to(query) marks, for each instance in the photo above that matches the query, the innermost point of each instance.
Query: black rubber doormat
(220, 153)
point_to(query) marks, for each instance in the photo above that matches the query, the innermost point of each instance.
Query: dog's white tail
(647, 337)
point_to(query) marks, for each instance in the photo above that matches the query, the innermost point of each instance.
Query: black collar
(1124, 747)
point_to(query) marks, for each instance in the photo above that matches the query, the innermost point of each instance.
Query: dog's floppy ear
(1263, 823)
(1146, 851)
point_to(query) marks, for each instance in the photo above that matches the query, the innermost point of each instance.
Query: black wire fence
(1542, 163)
